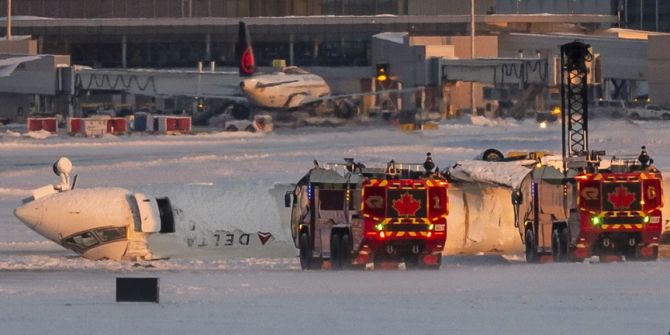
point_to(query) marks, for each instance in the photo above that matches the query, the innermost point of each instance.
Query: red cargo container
(117, 126)
(49, 124)
(172, 124)
(74, 125)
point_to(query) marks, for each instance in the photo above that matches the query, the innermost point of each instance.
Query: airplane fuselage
(116, 224)
(284, 90)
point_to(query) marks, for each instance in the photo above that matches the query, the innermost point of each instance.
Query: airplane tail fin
(245, 53)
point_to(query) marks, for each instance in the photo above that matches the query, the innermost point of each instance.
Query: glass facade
(186, 54)
(204, 8)
(650, 15)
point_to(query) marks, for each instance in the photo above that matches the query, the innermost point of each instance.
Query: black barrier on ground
(137, 289)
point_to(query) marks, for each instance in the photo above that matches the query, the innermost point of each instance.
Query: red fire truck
(611, 211)
(370, 215)
(588, 203)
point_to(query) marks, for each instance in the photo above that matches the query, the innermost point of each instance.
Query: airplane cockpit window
(111, 234)
(86, 240)
(81, 242)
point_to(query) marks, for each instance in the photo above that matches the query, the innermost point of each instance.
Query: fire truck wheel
(435, 266)
(653, 257)
(559, 245)
(346, 250)
(335, 251)
(305, 252)
(531, 253)
(413, 262)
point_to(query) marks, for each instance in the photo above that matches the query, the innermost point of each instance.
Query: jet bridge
(498, 71)
(149, 82)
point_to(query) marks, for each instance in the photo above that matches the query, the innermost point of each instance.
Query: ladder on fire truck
(574, 103)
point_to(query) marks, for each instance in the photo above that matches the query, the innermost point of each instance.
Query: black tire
(335, 251)
(492, 155)
(559, 245)
(412, 262)
(345, 251)
(250, 129)
(531, 252)
(635, 116)
(665, 116)
(638, 257)
(344, 110)
(231, 128)
(432, 266)
(240, 111)
(305, 252)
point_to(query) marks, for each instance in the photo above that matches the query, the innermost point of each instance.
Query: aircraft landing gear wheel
(335, 251)
(531, 254)
(559, 245)
(305, 252)
(492, 155)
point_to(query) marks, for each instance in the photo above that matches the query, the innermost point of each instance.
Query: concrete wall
(659, 70)
(25, 46)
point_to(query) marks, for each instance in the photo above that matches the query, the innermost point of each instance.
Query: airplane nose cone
(28, 214)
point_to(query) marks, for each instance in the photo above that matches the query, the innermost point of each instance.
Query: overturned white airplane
(118, 224)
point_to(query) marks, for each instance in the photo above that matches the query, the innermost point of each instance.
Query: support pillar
(124, 51)
(399, 101)
(9, 20)
(373, 89)
(208, 47)
(290, 50)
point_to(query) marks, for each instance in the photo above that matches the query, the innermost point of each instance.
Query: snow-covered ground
(44, 288)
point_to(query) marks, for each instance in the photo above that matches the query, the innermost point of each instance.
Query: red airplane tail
(245, 53)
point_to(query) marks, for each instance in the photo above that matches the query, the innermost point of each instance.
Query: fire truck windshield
(332, 200)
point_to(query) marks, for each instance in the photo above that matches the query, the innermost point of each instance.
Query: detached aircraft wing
(8, 65)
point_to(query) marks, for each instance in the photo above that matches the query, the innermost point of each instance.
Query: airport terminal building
(338, 38)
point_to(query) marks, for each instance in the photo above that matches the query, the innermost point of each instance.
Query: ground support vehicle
(648, 112)
(368, 215)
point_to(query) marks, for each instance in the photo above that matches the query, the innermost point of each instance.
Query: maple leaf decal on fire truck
(406, 205)
(621, 198)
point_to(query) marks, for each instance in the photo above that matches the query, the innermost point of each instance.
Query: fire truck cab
(613, 209)
(369, 215)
